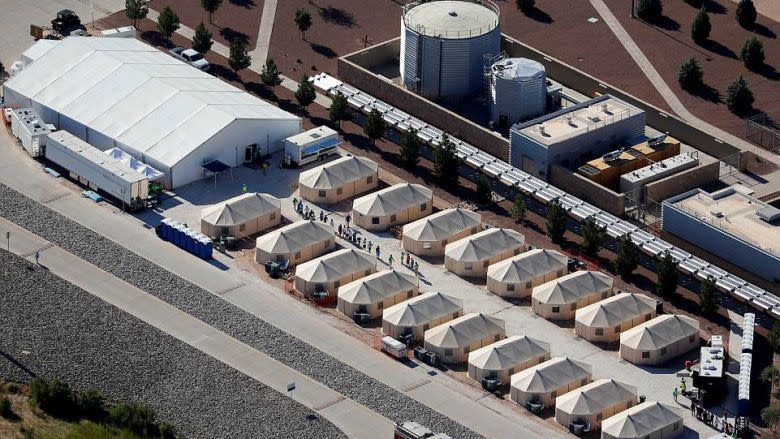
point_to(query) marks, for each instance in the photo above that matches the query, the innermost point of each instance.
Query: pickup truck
(191, 57)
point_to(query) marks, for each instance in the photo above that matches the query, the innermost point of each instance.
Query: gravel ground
(224, 316)
(86, 342)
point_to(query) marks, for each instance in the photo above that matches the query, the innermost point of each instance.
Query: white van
(394, 347)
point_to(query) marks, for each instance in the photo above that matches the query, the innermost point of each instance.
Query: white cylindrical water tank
(518, 91)
(444, 43)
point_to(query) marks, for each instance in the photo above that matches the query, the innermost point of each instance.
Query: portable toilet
(209, 247)
(189, 241)
(165, 229)
(178, 238)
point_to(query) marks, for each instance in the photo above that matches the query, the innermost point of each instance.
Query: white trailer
(394, 347)
(30, 129)
(310, 146)
(120, 32)
(92, 167)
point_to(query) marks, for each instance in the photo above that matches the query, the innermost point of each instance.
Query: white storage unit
(120, 32)
(310, 146)
(518, 91)
(634, 181)
(28, 127)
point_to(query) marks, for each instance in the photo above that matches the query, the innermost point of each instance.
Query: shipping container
(30, 129)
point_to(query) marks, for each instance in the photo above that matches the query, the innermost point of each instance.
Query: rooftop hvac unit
(611, 156)
(594, 118)
(655, 141)
(570, 120)
(541, 129)
(605, 108)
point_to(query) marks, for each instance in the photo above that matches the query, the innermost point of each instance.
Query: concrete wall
(587, 190)
(707, 171)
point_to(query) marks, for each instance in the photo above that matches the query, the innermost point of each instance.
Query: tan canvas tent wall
(298, 242)
(417, 315)
(338, 180)
(454, 340)
(558, 299)
(648, 420)
(594, 402)
(659, 340)
(471, 256)
(504, 358)
(517, 276)
(544, 382)
(604, 321)
(428, 236)
(398, 204)
(329, 272)
(373, 293)
(241, 216)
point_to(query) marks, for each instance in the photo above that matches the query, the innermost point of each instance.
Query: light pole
(632, 8)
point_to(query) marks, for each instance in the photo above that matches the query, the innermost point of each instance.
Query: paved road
(352, 418)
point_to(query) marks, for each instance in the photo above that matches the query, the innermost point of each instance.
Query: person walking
(402, 257)
(322, 215)
(407, 259)
(377, 252)
(370, 244)
(348, 218)
(339, 229)
(37, 257)
(331, 222)
(244, 188)
(675, 393)
(295, 202)
(683, 387)
(390, 259)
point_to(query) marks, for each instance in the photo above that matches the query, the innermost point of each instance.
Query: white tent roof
(640, 421)
(422, 309)
(593, 398)
(660, 332)
(38, 49)
(338, 173)
(393, 199)
(294, 237)
(336, 265)
(527, 266)
(550, 375)
(442, 225)
(143, 168)
(484, 245)
(147, 100)
(240, 209)
(507, 353)
(463, 331)
(615, 310)
(572, 287)
(377, 287)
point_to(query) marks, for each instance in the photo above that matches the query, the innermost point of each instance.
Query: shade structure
(517, 276)
(649, 419)
(454, 340)
(298, 242)
(559, 299)
(504, 358)
(428, 236)
(594, 402)
(415, 316)
(603, 321)
(339, 180)
(372, 294)
(659, 340)
(544, 382)
(241, 216)
(327, 273)
(397, 204)
(471, 256)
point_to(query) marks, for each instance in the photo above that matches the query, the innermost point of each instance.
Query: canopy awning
(216, 166)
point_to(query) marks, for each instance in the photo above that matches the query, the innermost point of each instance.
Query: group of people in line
(308, 213)
(719, 423)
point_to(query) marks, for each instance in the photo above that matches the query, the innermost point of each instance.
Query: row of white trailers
(615, 227)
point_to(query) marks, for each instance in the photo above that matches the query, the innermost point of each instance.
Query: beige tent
(241, 216)
(659, 340)
(648, 420)
(454, 340)
(298, 242)
(428, 236)
(329, 272)
(604, 321)
(558, 299)
(372, 294)
(594, 402)
(516, 276)
(417, 315)
(398, 204)
(544, 382)
(339, 180)
(471, 256)
(504, 358)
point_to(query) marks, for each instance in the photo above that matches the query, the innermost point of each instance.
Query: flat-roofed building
(543, 383)
(504, 358)
(518, 275)
(648, 420)
(605, 320)
(428, 236)
(560, 298)
(321, 277)
(370, 295)
(241, 216)
(339, 180)
(410, 319)
(298, 242)
(397, 204)
(659, 340)
(590, 404)
(471, 256)
(454, 340)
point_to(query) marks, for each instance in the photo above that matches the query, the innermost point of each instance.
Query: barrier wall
(592, 192)
(708, 171)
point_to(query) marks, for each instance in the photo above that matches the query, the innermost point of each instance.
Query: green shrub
(92, 405)
(54, 397)
(739, 98)
(701, 27)
(690, 77)
(746, 13)
(752, 53)
(6, 410)
(649, 10)
(138, 418)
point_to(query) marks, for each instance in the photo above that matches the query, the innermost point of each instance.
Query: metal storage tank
(518, 91)
(444, 43)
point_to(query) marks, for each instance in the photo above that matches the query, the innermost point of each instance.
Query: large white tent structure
(650, 419)
(504, 358)
(415, 316)
(121, 92)
(327, 273)
(603, 321)
(397, 204)
(241, 216)
(298, 242)
(558, 299)
(592, 403)
(454, 340)
(518, 275)
(370, 295)
(428, 236)
(660, 339)
(471, 256)
(339, 179)
(543, 383)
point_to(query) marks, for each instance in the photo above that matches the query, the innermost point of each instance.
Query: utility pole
(632, 9)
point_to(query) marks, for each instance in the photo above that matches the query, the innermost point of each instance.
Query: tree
(305, 94)
(649, 10)
(771, 376)
(667, 276)
(339, 109)
(555, 222)
(690, 76)
(526, 5)
(211, 7)
(136, 10)
(410, 149)
(303, 21)
(92, 405)
(484, 191)
(54, 397)
(752, 53)
(592, 237)
(519, 209)
(739, 98)
(774, 336)
(695, 3)
(202, 42)
(239, 58)
(708, 304)
(167, 22)
(627, 256)
(746, 13)
(270, 74)
(445, 162)
(771, 416)
(701, 27)
(374, 126)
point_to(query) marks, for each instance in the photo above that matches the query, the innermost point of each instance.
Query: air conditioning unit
(420, 353)
(361, 317)
(491, 384)
(320, 295)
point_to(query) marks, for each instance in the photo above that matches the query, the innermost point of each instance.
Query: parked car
(191, 57)
(66, 21)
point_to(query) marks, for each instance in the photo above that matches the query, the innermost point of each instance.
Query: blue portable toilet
(209, 249)
(165, 228)
(178, 238)
(191, 242)
(202, 251)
